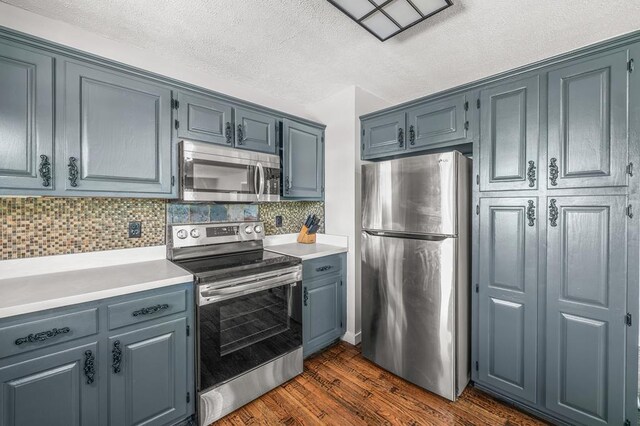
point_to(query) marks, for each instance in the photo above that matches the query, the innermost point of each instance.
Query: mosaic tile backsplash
(31, 227)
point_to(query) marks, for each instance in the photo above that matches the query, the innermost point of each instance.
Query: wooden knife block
(305, 238)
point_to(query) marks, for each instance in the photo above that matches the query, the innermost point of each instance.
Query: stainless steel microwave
(214, 173)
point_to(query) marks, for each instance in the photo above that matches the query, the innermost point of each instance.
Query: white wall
(68, 35)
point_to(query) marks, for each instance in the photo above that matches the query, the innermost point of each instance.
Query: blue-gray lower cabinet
(57, 388)
(324, 302)
(256, 131)
(127, 360)
(302, 161)
(205, 119)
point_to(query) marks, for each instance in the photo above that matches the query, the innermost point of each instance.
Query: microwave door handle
(261, 189)
(256, 170)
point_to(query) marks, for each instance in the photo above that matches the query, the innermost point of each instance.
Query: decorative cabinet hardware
(89, 366)
(466, 125)
(175, 104)
(466, 106)
(630, 211)
(241, 134)
(116, 354)
(176, 124)
(553, 171)
(628, 320)
(45, 170)
(630, 65)
(42, 336)
(531, 213)
(400, 137)
(287, 184)
(306, 296)
(228, 132)
(412, 135)
(553, 212)
(150, 310)
(73, 171)
(531, 174)
(323, 268)
(630, 169)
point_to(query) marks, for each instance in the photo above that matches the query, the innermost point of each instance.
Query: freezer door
(408, 309)
(416, 195)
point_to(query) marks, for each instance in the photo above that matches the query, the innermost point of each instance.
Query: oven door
(245, 323)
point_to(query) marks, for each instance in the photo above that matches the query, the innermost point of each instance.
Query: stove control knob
(248, 229)
(258, 229)
(182, 234)
(195, 233)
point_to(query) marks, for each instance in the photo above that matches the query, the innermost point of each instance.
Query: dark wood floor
(340, 387)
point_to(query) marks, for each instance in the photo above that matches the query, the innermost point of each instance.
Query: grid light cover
(386, 18)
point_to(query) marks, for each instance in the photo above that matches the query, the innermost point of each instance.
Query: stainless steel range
(249, 313)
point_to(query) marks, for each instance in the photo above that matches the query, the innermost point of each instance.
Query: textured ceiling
(305, 50)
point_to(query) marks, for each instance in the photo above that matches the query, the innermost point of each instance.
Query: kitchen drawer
(323, 265)
(45, 332)
(146, 308)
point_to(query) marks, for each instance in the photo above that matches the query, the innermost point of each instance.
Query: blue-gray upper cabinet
(115, 132)
(588, 131)
(507, 295)
(586, 305)
(303, 161)
(509, 135)
(26, 119)
(147, 383)
(439, 123)
(205, 119)
(383, 136)
(256, 131)
(58, 389)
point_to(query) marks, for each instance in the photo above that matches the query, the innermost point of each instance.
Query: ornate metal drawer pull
(89, 366)
(73, 171)
(412, 135)
(116, 354)
(401, 137)
(150, 310)
(240, 134)
(45, 170)
(553, 212)
(228, 132)
(553, 171)
(324, 268)
(531, 213)
(531, 174)
(306, 296)
(42, 336)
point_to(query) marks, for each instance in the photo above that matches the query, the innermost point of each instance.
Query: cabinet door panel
(51, 390)
(204, 119)
(509, 136)
(303, 153)
(26, 119)
(438, 123)
(151, 386)
(256, 131)
(588, 137)
(586, 304)
(118, 129)
(384, 136)
(322, 312)
(508, 295)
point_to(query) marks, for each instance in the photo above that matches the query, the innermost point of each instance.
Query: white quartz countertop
(68, 285)
(325, 245)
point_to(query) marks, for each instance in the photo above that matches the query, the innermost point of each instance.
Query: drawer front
(46, 332)
(146, 309)
(321, 266)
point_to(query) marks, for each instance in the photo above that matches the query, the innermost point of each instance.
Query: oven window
(239, 334)
(213, 176)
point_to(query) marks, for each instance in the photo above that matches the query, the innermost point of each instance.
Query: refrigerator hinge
(630, 169)
(477, 288)
(477, 366)
(630, 211)
(188, 330)
(628, 320)
(466, 106)
(477, 208)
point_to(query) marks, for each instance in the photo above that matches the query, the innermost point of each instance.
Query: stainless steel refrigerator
(416, 280)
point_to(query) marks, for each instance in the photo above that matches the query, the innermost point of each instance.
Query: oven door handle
(216, 295)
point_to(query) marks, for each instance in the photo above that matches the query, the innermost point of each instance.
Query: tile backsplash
(31, 227)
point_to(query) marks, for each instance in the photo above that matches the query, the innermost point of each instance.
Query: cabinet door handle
(553, 171)
(89, 366)
(412, 135)
(116, 354)
(42, 336)
(228, 132)
(531, 174)
(150, 310)
(45, 170)
(73, 171)
(531, 213)
(306, 296)
(401, 137)
(553, 213)
(287, 184)
(323, 268)
(240, 134)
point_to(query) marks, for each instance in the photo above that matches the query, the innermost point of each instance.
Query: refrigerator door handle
(396, 234)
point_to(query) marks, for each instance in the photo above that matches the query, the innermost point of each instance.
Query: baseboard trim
(353, 338)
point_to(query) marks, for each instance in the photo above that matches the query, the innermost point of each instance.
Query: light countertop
(326, 245)
(68, 285)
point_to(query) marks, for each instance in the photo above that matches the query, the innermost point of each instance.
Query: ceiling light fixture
(386, 18)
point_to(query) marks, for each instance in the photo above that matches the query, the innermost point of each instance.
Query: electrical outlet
(278, 221)
(135, 229)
